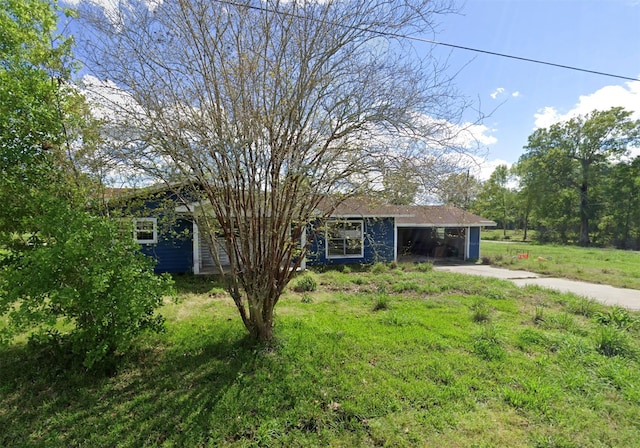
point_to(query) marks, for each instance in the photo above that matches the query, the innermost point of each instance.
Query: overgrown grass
(607, 266)
(494, 234)
(445, 360)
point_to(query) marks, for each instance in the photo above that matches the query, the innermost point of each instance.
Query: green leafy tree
(495, 199)
(459, 189)
(64, 271)
(619, 224)
(571, 156)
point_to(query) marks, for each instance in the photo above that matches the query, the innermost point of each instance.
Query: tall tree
(495, 199)
(270, 107)
(59, 261)
(620, 223)
(32, 101)
(580, 146)
(459, 189)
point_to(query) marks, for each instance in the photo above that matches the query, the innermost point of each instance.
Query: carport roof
(439, 216)
(409, 215)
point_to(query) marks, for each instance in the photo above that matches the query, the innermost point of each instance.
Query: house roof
(440, 216)
(364, 207)
(359, 207)
(407, 215)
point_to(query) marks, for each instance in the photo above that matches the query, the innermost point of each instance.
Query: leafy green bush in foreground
(80, 287)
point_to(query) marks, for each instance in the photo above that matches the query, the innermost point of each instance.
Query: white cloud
(498, 91)
(482, 168)
(112, 8)
(107, 100)
(627, 96)
(515, 94)
(481, 134)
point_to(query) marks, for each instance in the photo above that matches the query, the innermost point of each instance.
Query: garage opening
(424, 243)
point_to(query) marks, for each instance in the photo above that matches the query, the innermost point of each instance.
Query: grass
(445, 360)
(607, 266)
(494, 234)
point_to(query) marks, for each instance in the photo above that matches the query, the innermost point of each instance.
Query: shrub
(306, 298)
(80, 273)
(306, 283)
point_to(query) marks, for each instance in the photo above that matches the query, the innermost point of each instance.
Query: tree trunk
(584, 206)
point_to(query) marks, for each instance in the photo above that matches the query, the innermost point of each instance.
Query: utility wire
(430, 41)
(520, 58)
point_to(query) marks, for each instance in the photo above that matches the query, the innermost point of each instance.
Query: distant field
(389, 356)
(492, 234)
(607, 266)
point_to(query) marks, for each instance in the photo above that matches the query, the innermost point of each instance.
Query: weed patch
(419, 371)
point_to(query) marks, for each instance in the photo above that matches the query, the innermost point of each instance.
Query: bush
(80, 285)
(306, 283)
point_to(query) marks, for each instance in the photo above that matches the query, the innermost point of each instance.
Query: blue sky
(517, 97)
(602, 35)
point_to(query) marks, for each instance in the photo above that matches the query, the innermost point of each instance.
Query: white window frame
(345, 238)
(136, 231)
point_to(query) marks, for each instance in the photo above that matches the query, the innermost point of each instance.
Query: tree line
(577, 182)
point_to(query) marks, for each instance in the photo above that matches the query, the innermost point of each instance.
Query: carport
(432, 242)
(438, 232)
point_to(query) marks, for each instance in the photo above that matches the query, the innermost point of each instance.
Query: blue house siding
(173, 247)
(474, 243)
(379, 243)
(173, 254)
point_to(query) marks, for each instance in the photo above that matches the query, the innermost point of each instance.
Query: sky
(518, 97)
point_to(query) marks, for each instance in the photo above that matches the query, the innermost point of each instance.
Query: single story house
(358, 232)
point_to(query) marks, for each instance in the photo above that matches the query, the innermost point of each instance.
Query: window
(345, 239)
(145, 230)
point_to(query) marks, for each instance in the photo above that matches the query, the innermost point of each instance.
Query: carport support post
(467, 243)
(395, 240)
(196, 249)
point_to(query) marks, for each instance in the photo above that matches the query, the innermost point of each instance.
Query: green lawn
(387, 357)
(607, 266)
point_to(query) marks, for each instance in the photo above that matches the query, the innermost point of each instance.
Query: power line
(520, 58)
(434, 42)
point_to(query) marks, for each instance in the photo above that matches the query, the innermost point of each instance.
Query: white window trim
(326, 236)
(154, 240)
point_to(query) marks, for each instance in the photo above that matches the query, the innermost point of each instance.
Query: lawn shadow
(160, 396)
(197, 284)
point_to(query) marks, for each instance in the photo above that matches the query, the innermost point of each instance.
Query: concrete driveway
(609, 295)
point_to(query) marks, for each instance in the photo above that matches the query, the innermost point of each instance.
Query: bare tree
(271, 108)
